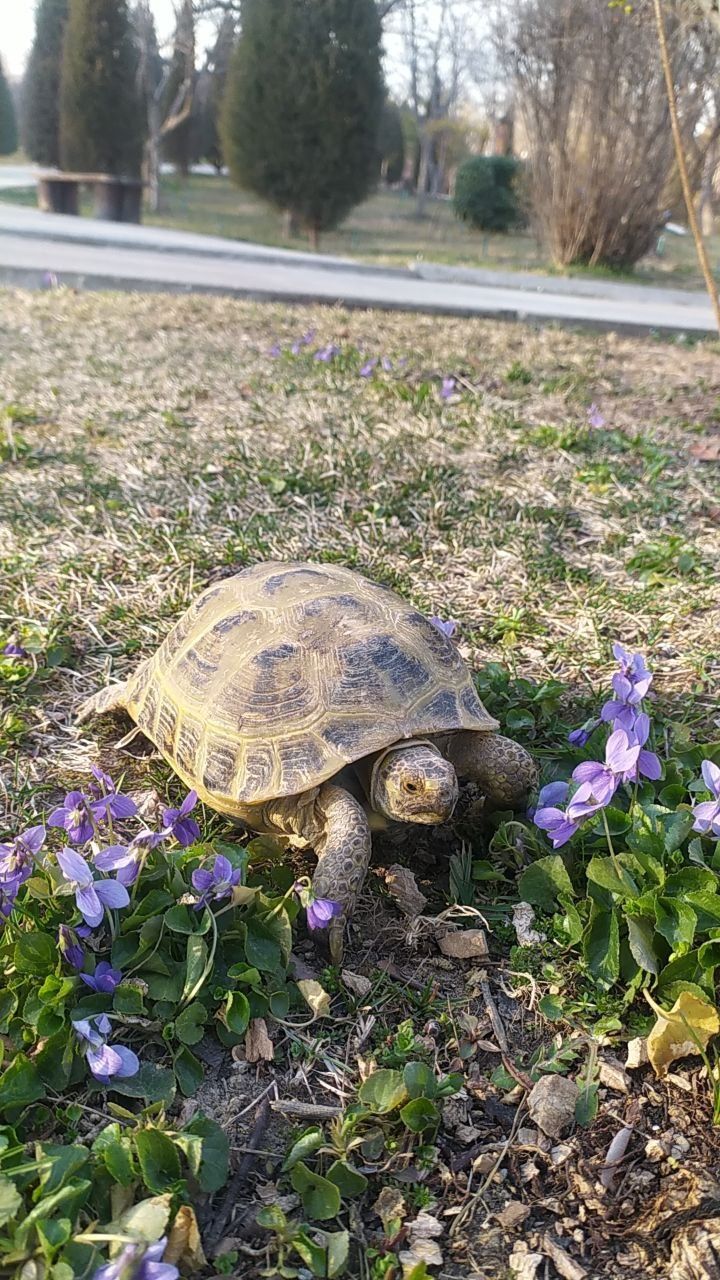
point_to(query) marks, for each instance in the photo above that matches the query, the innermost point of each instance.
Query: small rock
(561, 1153)
(655, 1150)
(467, 1133)
(551, 1104)
(637, 1053)
(680, 1146)
(426, 1251)
(527, 1137)
(523, 918)
(513, 1215)
(425, 1227)
(523, 1263)
(464, 944)
(357, 983)
(614, 1076)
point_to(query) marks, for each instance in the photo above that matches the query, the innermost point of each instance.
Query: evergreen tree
(178, 142)
(218, 66)
(41, 88)
(101, 110)
(302, 108)
(8, 127)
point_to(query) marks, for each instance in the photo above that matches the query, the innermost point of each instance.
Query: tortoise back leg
(334, 823)
(113, 698)
(503, 770)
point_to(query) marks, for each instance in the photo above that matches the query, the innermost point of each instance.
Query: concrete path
(100, 255)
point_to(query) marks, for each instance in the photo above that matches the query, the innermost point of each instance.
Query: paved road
(97, 255)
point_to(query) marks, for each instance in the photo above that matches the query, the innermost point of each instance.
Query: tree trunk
(705, 206)
(314, 232)
(152, 158)
(291, 226)
(423, 174)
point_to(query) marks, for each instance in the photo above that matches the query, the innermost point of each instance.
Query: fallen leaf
(425, 1227)
(637, 1053)
(513, 1215)
(147, 1220)
(523, 918)
(464, 944)
(357, 983)
(183, 1247)
(707, 450)
(695, 1251)
(401, 886)
(315, 996)
(426, 1251)
(258, 1045)
(551, 1104)
(566, 1266)
(390, 1208)
(684, 1030)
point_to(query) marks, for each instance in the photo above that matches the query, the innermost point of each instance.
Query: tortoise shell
(276, 678)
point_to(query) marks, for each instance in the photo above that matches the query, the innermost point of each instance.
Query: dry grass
(152, 443)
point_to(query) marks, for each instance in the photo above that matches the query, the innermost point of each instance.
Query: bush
(302, 108)
(41, 89)
(101, 113)
(485, 193)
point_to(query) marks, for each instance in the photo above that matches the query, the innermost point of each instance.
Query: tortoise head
(414, 783)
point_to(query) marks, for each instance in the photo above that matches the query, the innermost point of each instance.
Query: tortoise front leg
(334, 823)
(503, 770)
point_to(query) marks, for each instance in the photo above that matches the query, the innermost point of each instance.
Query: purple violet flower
(328, 353)
(580, 737)
(595, 417)
(216, 882)
(177, 823)
(448, 387)
(448, 628)
(105, 979)
(14, 650)
(648, 764)
(75, 816)
(127, 860)
(108, 799)
(368, 367)
(599, 782)
(139, 1262)
(104, 1060)
(70, 948)
(320, 912)
(91, 896)
(386, 364)
(707, 812)
(304, 341)
(556, 824)
(8, 894)
(17, 858)
(553, 793)
(275, 350)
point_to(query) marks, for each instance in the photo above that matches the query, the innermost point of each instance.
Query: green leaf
(279, 1004)
(188, 1070)
(640, 941)
(420, 1114)
(180, 919)
(272, 1218)
(20, 1084)
(215, 1152)
(306, 1145)
(127, 998)
(543, 881)
(65, 1162)
(196, 959)
(153, 1083)
(236, 1014)
(326, 1256)
(159, 1160)
(116, 1153)
(8, 1005)
(151, 907)
(676, 921)
(383, 1091)
(245, 973)
(586, 1107)
(146, 1220)
(10, 1200)
(601, 946)
(706, 907)
(602, 871)
(551, 1007)
(419, 1080)
(55, 1060)
(677, 828)
(190, 1024)
(569, 920)
(262, 949)
(691, 880)
(53, 1233)
(349, 1181)
(35, 953)
(320, 1198)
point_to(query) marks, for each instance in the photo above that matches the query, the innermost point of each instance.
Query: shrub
(485, 193)
(8, 129)
(41, 89)
(101, 114)
(302, 108)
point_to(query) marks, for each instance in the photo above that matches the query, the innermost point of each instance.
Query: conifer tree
(41, 87)
(101, 112)
(8, 125)
(302, 107)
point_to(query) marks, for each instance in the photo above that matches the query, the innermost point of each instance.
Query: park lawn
(151, 444)
(385, 230)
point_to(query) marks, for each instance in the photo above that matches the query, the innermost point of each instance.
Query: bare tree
(163, 114)
(594, 108)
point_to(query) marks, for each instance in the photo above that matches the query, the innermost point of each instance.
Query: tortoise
(302, 699)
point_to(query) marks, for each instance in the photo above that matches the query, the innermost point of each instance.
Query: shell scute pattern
(277, 677)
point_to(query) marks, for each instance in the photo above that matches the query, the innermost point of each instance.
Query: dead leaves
(465, 944)
(258, 1045)
(315, 997)
(685, 1029)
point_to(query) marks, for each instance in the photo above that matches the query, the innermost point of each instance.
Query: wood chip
(464, 944)
(258, 1045)
(637, 1053)
(401, 886)
(566, 1266)
(522, 1263)
(514, 1213)
(614, 1076)
(551, 1104)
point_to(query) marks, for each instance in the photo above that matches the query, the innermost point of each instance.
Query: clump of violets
(707, 812)
(215, 882)
(627, 759)
(447, 387)
(139, 1262)
(103, 1059)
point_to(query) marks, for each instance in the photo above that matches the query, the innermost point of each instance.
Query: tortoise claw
(330, 942)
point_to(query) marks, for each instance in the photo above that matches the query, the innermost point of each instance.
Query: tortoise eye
(410, 787)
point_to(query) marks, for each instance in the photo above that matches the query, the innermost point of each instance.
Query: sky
(17, 26)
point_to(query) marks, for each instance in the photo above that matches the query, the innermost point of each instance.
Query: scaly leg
(503, 770)
(334, 823)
